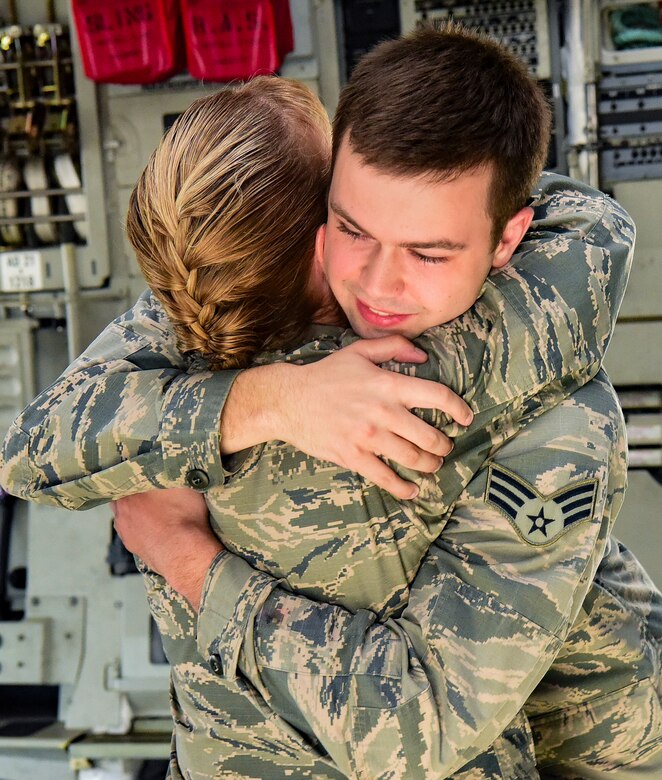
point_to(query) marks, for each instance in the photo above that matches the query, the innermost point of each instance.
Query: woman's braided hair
(223, 218)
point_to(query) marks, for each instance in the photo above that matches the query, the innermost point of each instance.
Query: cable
(9, 179)
(68, 178)
(34, 173)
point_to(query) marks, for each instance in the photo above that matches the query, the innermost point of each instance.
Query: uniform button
(197, 479)
(216, 664)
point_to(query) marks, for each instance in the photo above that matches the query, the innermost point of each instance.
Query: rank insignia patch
(539, 519)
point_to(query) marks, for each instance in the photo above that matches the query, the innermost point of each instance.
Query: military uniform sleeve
(124, 418)
(420, 695)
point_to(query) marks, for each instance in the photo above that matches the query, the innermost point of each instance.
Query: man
(418, 695)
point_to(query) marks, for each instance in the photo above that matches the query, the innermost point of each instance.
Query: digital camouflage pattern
(420, 694)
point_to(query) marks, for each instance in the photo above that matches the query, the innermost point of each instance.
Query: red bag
(128, 41)
(233, 39)
(284, 31)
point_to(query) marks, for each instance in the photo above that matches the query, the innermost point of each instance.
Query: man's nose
(383, 275)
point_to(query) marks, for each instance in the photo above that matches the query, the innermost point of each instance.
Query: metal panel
(633, 357)
(521, 25)
(17, 368)
(22, 652)
(643, 298)
(639, 524)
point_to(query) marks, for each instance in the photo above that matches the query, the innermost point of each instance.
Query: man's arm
(488, 610)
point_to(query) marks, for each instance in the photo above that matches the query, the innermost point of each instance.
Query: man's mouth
(380, 317)
(381, 313)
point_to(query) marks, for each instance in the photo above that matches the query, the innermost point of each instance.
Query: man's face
(402, 254)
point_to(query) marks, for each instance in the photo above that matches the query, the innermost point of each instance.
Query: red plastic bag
(284, 31)
(233, 39)
(128, 41)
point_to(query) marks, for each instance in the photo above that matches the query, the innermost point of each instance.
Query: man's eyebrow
(440, 243)
(340, 211)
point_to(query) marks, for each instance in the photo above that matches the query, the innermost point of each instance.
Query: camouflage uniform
(420, 693)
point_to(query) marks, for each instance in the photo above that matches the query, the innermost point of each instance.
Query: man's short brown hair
(442, 101)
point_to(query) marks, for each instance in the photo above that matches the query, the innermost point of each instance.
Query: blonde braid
(224, 216)
(180, 295)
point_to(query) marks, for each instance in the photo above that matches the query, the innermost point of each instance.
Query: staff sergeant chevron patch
(538, 519)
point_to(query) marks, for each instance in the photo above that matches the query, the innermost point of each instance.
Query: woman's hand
(347, 410)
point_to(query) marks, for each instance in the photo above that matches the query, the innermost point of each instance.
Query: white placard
(21, 271)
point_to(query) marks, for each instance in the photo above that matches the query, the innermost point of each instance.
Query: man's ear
(513, 233)
(320, 238)
(317, 277)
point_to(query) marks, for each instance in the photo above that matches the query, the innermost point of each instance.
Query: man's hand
(169, 530)
(347, 410)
